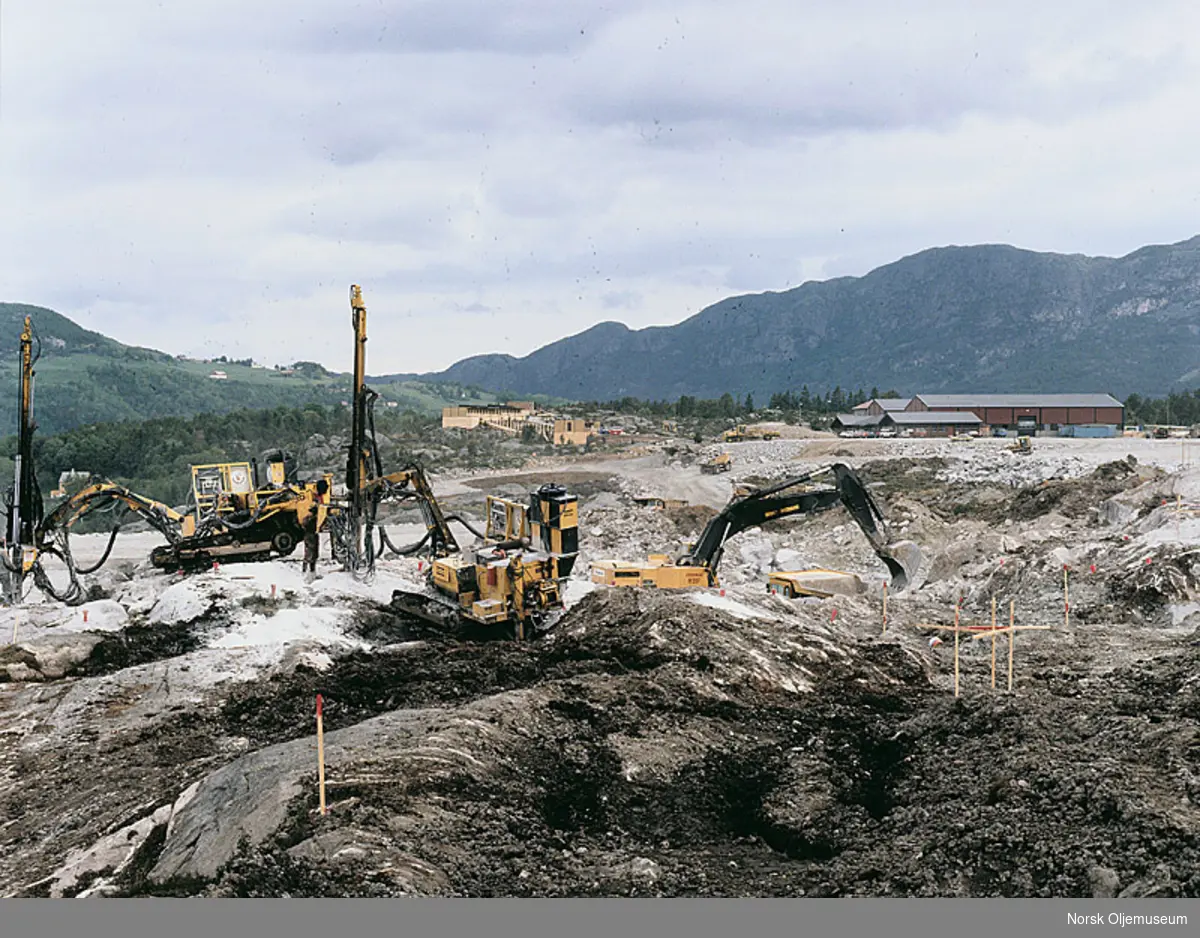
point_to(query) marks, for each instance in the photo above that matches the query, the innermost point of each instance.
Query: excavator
(236, 517)
(752, 507)
(510, 580)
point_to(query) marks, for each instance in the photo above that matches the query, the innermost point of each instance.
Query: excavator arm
(774, 502)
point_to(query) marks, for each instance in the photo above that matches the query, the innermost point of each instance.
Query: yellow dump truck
(741, 432)
(722, 463)
(817, 582)
(654, 501)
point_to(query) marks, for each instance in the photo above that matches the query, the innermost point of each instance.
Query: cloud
(210, 178)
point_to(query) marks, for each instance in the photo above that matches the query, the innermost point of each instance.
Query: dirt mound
(690, 518)
(1150, 582)
(655, 746)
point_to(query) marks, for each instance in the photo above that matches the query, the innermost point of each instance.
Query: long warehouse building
(1027, 412)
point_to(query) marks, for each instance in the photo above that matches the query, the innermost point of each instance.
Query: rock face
(249, 799)
(49, 657)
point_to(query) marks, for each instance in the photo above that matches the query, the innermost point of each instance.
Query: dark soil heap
(643, 765)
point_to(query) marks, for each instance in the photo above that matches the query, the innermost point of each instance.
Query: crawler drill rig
(504, 582)
(30, 534)
(237, 516)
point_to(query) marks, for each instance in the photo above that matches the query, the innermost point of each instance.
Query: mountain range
(984, 318)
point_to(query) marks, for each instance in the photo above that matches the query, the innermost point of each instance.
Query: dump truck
(721, 463)
(741, 433)
(659, 503)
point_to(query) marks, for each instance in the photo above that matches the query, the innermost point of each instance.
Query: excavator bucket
(903, 559)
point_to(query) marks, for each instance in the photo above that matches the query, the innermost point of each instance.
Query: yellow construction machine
(749, 508)
(1024, 445)
(511, 579)
(506, 580)
(658, 503)
(741, 432)
(818, 582)
(238, 516)
(721, 463)
(235, 518)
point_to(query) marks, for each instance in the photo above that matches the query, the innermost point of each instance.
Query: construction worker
(312, 528)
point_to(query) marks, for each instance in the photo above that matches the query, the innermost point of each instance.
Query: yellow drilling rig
(236, 516)
(510, 580)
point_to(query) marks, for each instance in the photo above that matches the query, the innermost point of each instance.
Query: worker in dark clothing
(312, 528)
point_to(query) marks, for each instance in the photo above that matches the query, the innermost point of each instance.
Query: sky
(210, 178)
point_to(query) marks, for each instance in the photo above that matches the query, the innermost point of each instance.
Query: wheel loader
(752, 507)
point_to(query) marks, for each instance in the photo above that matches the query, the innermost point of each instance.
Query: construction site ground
(161, 738)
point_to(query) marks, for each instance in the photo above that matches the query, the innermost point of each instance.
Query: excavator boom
(771, 503)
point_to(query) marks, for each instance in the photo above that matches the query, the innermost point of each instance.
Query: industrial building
(947, 414)
(878, 406)
(514, 416)
(1027, 413)
(904, 423)
(510, 416)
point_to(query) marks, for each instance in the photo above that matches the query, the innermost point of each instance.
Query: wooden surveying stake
(885, 608)
(321, 753)
(956, 649)
(993, 642)
(1012, 634)
(1066, 601)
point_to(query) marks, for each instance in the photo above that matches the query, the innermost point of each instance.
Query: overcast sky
(209, 178)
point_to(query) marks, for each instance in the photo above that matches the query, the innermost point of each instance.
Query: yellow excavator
(510, 580)
(752, 507)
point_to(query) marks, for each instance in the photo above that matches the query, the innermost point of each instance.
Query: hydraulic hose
(404, 551)
(112, 539)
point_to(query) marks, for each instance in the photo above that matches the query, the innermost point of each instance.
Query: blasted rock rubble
(652, 744)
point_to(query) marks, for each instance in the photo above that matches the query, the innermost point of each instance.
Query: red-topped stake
(321, 751)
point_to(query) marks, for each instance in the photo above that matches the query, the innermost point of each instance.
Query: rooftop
(858, 420)
(887, 403)
(925, 418)
(1019, 400)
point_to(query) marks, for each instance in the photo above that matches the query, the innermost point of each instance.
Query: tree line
(833, 401)
(1177, 408)
(153, 457)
